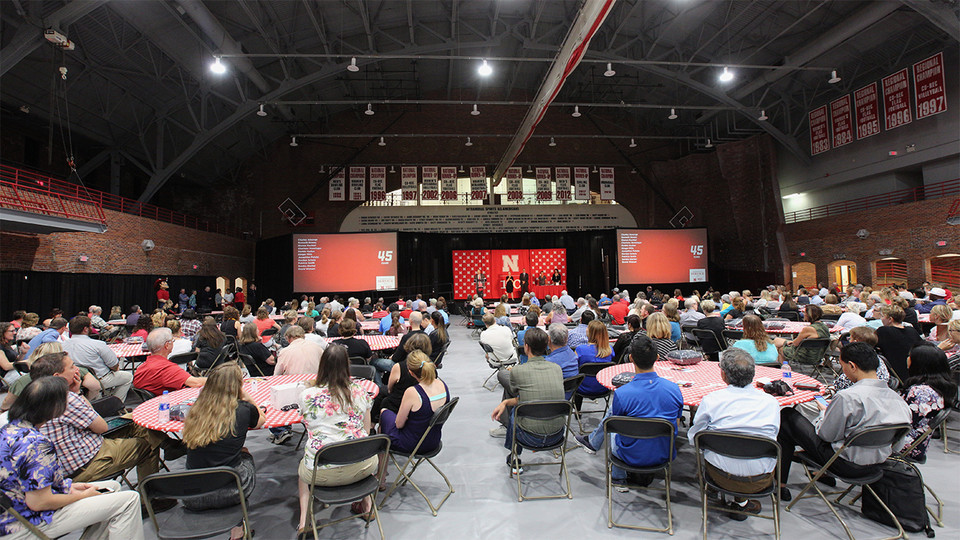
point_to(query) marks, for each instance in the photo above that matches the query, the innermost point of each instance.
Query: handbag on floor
(901, 489)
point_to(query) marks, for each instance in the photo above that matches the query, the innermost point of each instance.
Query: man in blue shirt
(57, 328)
(646, 396)
(567, 302)
(532, 320)
(937, 297)
(578, 336)
(560, 353)
(386, 321)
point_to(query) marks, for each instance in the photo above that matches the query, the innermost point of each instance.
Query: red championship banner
(378, 183)
(896, 100)
(606, 184)
(931, 92)
(448, 183)
(430, 190)
(868, 111)
(358, 183)
(563, 184)
(581, 179)
(819, 131)
(842, 121)
(338, 186)
(544, 191)
(478, 183)
(514, 183)
(408, 183)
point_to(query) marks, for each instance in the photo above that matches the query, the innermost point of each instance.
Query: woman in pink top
(264, 322)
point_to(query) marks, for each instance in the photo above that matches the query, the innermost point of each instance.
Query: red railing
(35, 194)
(946, 271)
(18, 180)
(947, 188)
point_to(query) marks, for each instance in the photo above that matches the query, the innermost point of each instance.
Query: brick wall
(118, 250)
(908, 230)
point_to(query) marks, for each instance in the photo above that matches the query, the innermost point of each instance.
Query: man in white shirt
(567, 301)
(307, 323)
(851, 318)
(498, 337)
(743, 408)
(581, 307)
(96, 356)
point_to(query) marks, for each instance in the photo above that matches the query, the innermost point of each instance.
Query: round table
(146, 413)
(376, 342)
(373, 325)
(705, 377)
(128, 350)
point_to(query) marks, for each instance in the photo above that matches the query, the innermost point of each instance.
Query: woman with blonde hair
(335, 408)
(659, 332)
(596, 349)
(502, 315)
(756, 341)
(214, 432)
(940, 316)
(324, 323)
(406, 426)
(246, 315)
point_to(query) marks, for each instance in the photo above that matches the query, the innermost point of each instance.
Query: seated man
(578, 336)
(868, 403)
(96, 356)
(690, 316)
(58, 327)
(498, 337)
(532, 320)
(560, 354)
(134, 315)
(618, 310)
(567, 301)
(536, 380)
(386, 321)
(301, 356)
(646, 396)
(157, 373)
(743, 408)
(581, 307)
(96, 320)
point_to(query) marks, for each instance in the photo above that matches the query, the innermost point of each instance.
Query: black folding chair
(639, 428)
(904, 455)
(347, 453)
(184, 358)
(788, 315)
(191, 485)
(438, 361)
(709, 344)
(688, 338)
(436, 421)
(359, 361)
(542, 410)
(495, 363)
(737, 445)
(363, 371)
(590, 370)
(875, 437)
(6, 505)
(819, 347)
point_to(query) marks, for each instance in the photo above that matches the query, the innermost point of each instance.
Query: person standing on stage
(508, 285)
(480, 282)
(556, 276)
(541, 279)
(524, 281)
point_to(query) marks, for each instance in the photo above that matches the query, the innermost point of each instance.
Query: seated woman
(251, 345)
(420, 401)
(940, 316)
(756, 341)
(557, 315)
(597, 349)
(738, 306)
(33, 478)
(788, 303)
(658, 330)
(895, 339)
(181, 345)
(333, 329)
(789, 350)
(264, 323)
(311, 310)
(334, 408)
(502, 315)
(927, 390)
(400, 378)
(439, 337)
(215, 430)
(670, 310)
(10, 356)
(231, 322)
(246, 316)
(395, 329)
(623, 342)
(951, 345)
(143, 327)
(208, 343)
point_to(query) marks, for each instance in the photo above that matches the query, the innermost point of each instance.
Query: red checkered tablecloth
(371, 325)
(128, 350)
(705, 377)
(520, 320)
(146, 413)
(377, 342)
(794, 327)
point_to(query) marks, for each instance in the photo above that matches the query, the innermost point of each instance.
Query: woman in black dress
(509, 285)
(556, 276)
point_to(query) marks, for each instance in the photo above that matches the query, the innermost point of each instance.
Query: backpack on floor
(901, 489)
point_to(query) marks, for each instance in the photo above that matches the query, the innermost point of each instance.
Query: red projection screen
(661, 255)
(344, 262)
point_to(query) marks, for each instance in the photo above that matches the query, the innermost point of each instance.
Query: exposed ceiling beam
(943, 15)
(29, 37)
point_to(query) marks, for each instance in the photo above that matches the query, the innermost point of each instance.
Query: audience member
(928, 390)
(157, 373)
(659, 332)
(560, 354)
(791, 351)
(96, 356)
(301, 356)
(578, 336)
(670, 312)
(756, 342)
(252, 346)
(711, 320)
(622, 345)
(143, 327)
(894, 339)
(231, 326)
(407, 426)
(55, 331)
(499, 338)
(439, 337)
(690, 316)
(208, 344)
(189, 324)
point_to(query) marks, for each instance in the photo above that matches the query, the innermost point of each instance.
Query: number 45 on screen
(696, 250)
(385, 256)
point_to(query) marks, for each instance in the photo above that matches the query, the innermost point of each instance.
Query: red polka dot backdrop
(497, 267)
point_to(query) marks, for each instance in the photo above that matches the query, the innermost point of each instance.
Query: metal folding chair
(436, 421)
(737, 445)
(363, 371)
(543, 410)
(819, 347)
(874, 437)
(495, 363)
(6, 505)
(904, 455)
(193, 484)
(590, 370)
(639, 428)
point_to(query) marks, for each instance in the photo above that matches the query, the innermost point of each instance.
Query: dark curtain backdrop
(41, 291)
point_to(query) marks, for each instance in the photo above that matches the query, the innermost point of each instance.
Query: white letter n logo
(510, 263)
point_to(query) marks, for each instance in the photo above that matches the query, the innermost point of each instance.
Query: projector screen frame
(706, 265)
(394, 256)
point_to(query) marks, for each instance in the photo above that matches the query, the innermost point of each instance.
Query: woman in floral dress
(929, 389)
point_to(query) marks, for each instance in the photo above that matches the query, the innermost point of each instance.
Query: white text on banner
(544, 193)
(607, 192)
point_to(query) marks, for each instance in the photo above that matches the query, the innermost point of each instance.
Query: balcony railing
(47, 195)
(948, 188)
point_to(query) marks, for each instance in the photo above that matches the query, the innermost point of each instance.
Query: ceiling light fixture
(369, 111)
(261, 112)
(461, 169)
(576, 111)
(552, 142)
(293, 142)
(709, 144)
(475, 111)
(763, 116)
(469, 142)
(726, 75)
(353, 65)
(392, 170)
(484, 70)
(382, 142)
(834, 78)
(673, 114)
(609, 72)
(217, 67)
(633, 143)
(529, 169)
(595, 169)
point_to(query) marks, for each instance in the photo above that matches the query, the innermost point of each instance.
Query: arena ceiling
(139, 81)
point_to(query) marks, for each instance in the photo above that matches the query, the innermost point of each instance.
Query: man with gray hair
(560, 353)
(157, 373)
(96, 320)
(691, 315)
(581, 307)
(743, 408)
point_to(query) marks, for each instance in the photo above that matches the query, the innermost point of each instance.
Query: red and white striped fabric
(706, 378)
(794, 327)
(377, 342)
(923, 317)
(146, 414)
(128, 350)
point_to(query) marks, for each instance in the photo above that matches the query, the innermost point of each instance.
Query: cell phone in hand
(821, 400)
(103, 490)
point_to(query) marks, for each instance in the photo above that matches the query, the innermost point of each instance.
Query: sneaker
(270, 439)
(499, 432)
(751, 506)
(584, 442)
(518, 469)
(620, 485)
(283, 437)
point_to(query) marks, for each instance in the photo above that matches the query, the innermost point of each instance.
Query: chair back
(188, 484)
(591, 369)
(486, 348)
(543, 409)
(932, 426)
(737, 445)
(184, 358)
(363, 371)
(6, 505)
(108, 406)
(830, 317)
(358, 361)
(443, 351)
(352, 451)
(441, 415)
(268, 332)
(733, 334)
(818, 345)
(708, 340)
(789, 315)
(878, 436)
(640, 428)
(572, 383)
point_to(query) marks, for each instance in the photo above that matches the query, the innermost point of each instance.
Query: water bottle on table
(164, 413)
(786, 373)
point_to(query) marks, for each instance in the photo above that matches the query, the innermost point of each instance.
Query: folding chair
(590, 370)
(141, 394)
(346, 453)
(874, 437)
(193, 484)
(184, 358)
(819, 347)
(252, 368)
(687, 336)
(732, 335)
(789, 315)
(709, 344)
(944, 430)
(359, 361)
(737, 445)
(495, 363)
(6, 505)
(904, 455)
(437, 420)
(639, 428)
(543, 410)
(438, 361)
(363, 371)
(477, 321)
